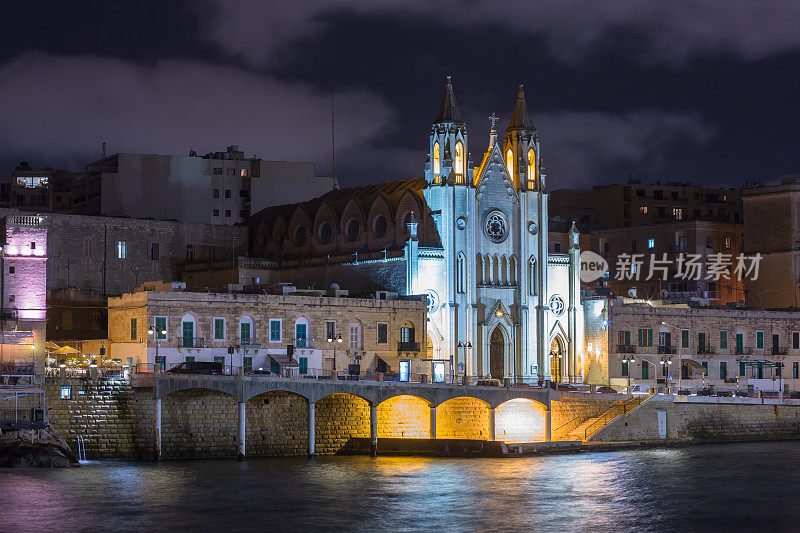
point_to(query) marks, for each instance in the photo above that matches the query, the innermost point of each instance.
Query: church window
(503, 271)
(532, 276)
(459, 163)
(531, 170)
(352, 230)
(300, 236)
(461, 282)
(487, 277)
(510, 163)
(325, 232)
(380, 226)
(496, 226)
(437, 160)
(479, 269)
(495, 271)
(512, 270)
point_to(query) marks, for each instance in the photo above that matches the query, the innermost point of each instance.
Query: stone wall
(462, 418)
(113, 419)
(404, 417)
(276, 424)
(568, 409)
(706, 421)
(338, 418)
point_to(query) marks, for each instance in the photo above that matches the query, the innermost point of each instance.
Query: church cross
(493, 118)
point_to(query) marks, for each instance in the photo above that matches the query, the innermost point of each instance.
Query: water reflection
(704, 488)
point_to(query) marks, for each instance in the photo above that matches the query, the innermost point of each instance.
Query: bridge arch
(198, 422)
(463, 417)
(338, 417)
(520, 420)
(404, 416)
(276, 422)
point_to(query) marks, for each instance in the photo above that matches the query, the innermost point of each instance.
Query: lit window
(727, 242)
(243, 173)
(651, 243)
(218, 170)
(31, 182)
(66, 392)
(643, 210)
(437, 162)
(231, 172)
(677, 212)
(510, 163)
(122, 250)
(531, 170)
(459, 163)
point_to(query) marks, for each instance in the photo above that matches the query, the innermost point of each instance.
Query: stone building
(773, 230)
(23, 281)
(653, 243)
(727, 348)
(626, 205)
(216, 188)
(473, 239)
(269, 331)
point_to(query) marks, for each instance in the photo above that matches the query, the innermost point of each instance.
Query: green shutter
(645, 370)
(759, 340)
(625, 368)
(742, 368)
(649, 337)
(275, 330)
(627, 338)
(161, 325)
(248, 364)
(133, 329)
(723, 340)
(219, 329)
(303, 361)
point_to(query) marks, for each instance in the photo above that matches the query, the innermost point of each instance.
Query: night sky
(701, 91)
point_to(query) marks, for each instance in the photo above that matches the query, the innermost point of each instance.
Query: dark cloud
(66, 107)
(670, 32)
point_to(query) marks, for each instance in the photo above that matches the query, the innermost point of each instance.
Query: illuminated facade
(499, 301)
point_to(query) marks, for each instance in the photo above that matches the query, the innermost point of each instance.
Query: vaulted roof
(448, 110)
(520, 119)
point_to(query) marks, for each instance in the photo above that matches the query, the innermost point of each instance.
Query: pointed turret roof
(520, 120)
(448, 111)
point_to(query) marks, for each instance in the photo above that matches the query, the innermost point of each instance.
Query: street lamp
(628, 360)
(156, 333)
(338, 339)
(461, 344)
(680, 345)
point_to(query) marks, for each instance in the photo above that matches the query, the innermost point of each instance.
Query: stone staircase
(586, 429)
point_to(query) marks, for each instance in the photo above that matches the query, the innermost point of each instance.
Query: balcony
(743, 350)
(667, 349)
(626, 348)
(249, 342)
(192, 342)
(778, 350)
(705, 350)
(405, 346)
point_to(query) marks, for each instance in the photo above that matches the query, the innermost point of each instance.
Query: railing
(249, 343)
(743, 350)
(667, 349)
(611, 414)
(192, 342)
(626, 348)
(705, 350)
(405, 346)
(779, 350)
(568, 426)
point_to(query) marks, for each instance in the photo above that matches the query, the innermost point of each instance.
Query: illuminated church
(474, 239)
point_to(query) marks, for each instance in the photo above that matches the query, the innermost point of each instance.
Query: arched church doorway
(497, 354)
(556, 360)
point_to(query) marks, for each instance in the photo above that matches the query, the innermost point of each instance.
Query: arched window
(301, 331)
(495, 271)
(532, 276)
(459, 163)
(461, 282)
(325, 233)
(512, 270)
(246, 331)
(437, 161)
(503, 271)
(510, 163)
(479, 269)
(531, 170)
(487, 278)
(380, 226)
(352, 230)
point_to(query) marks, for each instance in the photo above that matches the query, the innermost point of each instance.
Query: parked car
(606, 389)
(262, 371)
(198, 367)
(566, 387)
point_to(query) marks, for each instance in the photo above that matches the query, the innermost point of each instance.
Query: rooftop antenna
(104, 149)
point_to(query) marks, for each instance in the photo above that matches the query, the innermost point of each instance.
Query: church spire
(448, 111)
(520, 120)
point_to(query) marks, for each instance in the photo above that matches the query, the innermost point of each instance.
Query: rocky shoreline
(29, 448)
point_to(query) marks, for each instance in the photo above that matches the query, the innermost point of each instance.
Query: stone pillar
(241, 430)
(373, 428)
(548, 424)
(491, 424)
(311, 429)
(433, 422)
(157, 431)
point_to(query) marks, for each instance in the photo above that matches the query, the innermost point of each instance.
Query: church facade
(474, 239)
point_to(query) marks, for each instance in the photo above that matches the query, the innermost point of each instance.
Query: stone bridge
(244, 388)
